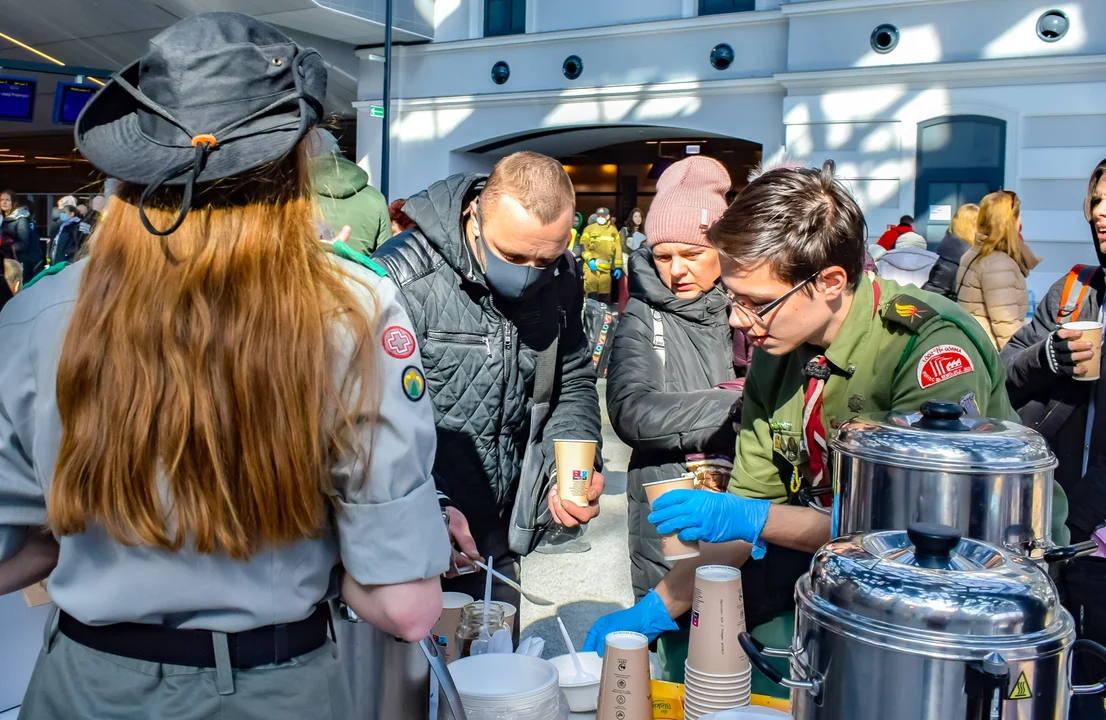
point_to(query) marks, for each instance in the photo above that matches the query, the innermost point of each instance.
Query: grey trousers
(73, 682)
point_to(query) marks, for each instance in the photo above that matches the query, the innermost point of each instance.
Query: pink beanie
(691, 195)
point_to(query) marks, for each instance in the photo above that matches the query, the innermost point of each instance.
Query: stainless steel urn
(921, 625)
(990, 479)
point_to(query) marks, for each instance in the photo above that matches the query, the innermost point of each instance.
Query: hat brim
(109, 136)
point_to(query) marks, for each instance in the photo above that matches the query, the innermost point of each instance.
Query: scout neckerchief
(814, 431)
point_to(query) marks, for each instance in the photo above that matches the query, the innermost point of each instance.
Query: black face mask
(509, 280)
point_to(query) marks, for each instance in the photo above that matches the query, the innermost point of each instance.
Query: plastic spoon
(480, 644)
(582, 675)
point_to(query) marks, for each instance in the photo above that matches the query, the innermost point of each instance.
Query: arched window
(961, 158)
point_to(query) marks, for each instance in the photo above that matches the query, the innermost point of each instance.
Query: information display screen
(17, 99)
(69, 100)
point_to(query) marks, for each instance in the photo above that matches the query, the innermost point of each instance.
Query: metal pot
(922, 624)
(989, 479)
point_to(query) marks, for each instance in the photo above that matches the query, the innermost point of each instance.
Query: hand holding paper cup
(575, 465)
(1091, 332)
(673, 547)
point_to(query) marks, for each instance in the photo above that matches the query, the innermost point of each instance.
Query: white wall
(675, 51)
(1054, 140)
(939, 32)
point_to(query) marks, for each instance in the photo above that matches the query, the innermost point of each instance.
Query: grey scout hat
(216, 95)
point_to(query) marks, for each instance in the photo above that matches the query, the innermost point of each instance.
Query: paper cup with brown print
(445, 631)
(1092, 333)
(673, 547)
(625, 690)
(575, 465)
(717, 617)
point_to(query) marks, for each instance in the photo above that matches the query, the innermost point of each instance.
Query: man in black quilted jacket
(496, 303)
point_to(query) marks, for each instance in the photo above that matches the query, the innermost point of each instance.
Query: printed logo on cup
(441, 640)
(695, 619)
(942, 363)
(579, 474)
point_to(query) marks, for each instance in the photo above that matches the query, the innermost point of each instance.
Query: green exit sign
(376, 111)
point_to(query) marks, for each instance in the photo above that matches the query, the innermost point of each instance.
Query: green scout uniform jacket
(898, 348)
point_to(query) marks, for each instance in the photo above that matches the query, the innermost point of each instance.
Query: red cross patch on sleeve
(399, 342)
(942, 363)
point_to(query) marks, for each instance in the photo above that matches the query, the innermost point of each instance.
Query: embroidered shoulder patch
(908, 311)
(942, 363)
(414, 384)
(399, 342)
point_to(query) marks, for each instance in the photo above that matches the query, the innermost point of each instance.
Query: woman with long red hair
(221, 423)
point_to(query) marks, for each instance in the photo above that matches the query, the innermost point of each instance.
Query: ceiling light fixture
(41, 54)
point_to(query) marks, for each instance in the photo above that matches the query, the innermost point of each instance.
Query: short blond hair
(539, 183)
(965, 222)
(13, 274)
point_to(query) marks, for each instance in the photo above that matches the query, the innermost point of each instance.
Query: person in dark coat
(672, 349)
(18, 229)
(1042, 378)
(958, 240)
(69, 237)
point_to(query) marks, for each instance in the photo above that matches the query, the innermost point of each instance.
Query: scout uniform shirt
(603, 244)
(898, 348)
(386, 529)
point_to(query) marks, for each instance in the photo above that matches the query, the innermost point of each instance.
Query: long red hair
(197, 382)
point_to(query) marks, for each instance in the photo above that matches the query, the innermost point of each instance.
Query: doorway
(961, 158)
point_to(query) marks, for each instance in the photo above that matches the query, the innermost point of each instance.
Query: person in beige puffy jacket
(991, 280)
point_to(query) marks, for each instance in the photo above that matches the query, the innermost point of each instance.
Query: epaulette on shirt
(909, 311)
(345, 252)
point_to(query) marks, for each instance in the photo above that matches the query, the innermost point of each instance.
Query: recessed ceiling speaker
(573, 67)
(501, 72)
(885, 38)
(722, 56)
(1053, 25)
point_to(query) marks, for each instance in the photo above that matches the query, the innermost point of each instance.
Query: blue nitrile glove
(593, 265)
(711, 517)
(617, 273)
(649, 617)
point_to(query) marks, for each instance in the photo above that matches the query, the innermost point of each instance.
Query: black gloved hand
(1064, 350)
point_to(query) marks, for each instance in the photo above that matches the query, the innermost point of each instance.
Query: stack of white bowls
(718, 675)
(500, 685)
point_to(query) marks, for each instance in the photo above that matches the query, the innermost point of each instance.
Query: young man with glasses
(832, 342)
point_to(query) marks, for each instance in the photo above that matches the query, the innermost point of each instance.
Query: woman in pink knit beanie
(672, 349)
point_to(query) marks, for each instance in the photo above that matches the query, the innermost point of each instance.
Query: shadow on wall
(578, 618)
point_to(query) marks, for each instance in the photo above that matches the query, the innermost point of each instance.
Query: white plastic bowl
(582, 697)
(500, 678)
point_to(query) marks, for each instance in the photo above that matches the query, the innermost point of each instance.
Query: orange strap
(1072, 275)
(1079, 303)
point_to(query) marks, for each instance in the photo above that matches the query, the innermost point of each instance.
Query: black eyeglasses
(759, 312)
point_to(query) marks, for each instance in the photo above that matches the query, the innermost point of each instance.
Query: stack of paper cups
(718, 675)
(625, 690)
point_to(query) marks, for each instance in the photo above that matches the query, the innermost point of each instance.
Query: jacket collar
(857, 324)
(647, 286)
(439, 213)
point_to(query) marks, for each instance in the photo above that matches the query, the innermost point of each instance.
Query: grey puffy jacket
(666, 410)
(479, 354)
